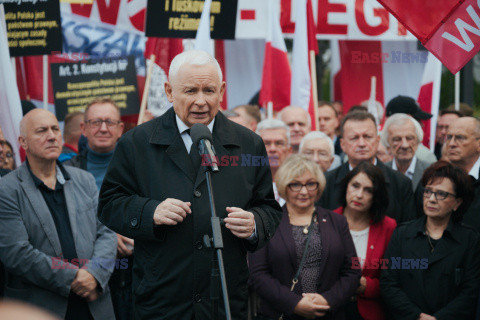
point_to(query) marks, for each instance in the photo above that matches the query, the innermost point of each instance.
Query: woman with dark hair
(305, 270)
(364, 200)
(434, 261)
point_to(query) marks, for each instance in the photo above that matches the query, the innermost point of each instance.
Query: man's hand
(311, 306)
(124, 246)
(84, 283)
(171, 211)
(240, 222)
(424, 316)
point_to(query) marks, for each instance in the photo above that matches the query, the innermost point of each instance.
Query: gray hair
(309, 119)
(193, 57)
(318, 135)
(400, 119)
(273, 124)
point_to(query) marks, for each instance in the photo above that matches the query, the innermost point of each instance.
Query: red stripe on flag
(247, 15)
(220, 55)
(425, 98)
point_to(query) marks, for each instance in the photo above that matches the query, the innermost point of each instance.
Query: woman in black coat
(434, 261)
(327, 279)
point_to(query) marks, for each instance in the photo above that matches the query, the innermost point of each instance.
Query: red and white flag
(398, 67)
(450, 29)
(429, 98)
(10, 106)
(303, 42)
(276, 67)
(164, 49)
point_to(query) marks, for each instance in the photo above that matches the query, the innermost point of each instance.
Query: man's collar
(411, 168)
(182, 127)
(61, 173)
(475, 169)
(351, 168)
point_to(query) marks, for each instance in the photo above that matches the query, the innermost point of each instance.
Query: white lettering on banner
(101, 41)
(467, 43)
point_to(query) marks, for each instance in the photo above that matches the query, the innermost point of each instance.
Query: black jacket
(444, 285)
(401, 205)
(171, 271)
(79, 161)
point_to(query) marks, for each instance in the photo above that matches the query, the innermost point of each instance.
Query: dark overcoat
(171, 272)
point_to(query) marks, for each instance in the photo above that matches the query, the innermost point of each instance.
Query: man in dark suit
(360, 142)
(403, 134)
(155, 193)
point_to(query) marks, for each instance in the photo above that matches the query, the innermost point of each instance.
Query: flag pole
(146, 88)
(269, 110)
(45, 82)
(457, 91)
(313, 75)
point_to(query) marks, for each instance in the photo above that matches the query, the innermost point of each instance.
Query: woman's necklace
(306, 228)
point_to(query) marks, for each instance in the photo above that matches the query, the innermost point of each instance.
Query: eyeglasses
(439, 195)
(297, 186)
(458, 138)
(97, 123)
(9, 155)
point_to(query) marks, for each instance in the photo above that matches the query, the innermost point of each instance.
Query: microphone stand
(215, 242)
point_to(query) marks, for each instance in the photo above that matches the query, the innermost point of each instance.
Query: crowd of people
(347, 222)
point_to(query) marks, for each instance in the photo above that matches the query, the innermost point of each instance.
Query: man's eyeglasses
(297, 186)
(97, 123)
(9, 155)
(439, 195)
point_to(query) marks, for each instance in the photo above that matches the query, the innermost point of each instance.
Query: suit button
(198, 245)
(197, 193)
(133, 222)
(197, 298)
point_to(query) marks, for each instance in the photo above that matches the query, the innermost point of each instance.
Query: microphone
(203, 138)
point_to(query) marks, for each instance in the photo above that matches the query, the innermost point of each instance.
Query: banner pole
(313, 75)
(457, 91)
(269, 110)
(143, 105)
(45, 81)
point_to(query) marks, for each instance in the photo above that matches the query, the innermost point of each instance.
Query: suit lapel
(325, 226)
(40, 208)
(417, 174)
(166, 134)
(72, 211)
(223, 137)
(285, 232)
(373, 236)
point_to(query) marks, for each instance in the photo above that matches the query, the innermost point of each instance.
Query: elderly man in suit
(360, 143)
(155, 192)
(402, 134)
(57, 255)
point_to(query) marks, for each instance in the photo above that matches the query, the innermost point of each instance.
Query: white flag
(10, 106)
